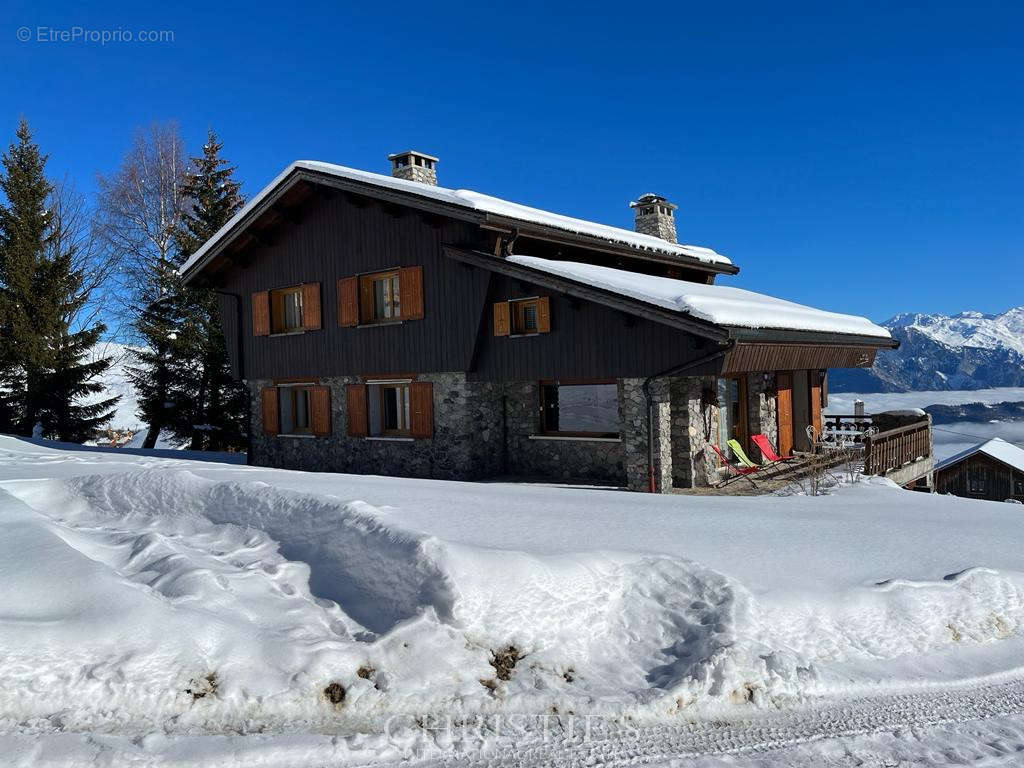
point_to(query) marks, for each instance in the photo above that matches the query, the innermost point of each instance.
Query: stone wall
(633, 412)
(762, 415)
(469, 440)
(466, 442)
(599, 461)
(694, 426)
(486, 430)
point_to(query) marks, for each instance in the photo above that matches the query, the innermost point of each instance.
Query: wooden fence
(895, 448)
(842, 431)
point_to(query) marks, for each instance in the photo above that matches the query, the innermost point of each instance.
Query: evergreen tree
(74, 370)
(26, 318)
(157, 364)
(44, 373)
(211, 409)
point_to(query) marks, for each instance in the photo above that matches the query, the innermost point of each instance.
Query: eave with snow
(393, 278)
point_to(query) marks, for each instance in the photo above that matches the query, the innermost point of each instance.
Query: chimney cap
(649, 198)
(411, 153)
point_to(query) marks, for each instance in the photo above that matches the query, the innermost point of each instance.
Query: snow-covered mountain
(969, 350)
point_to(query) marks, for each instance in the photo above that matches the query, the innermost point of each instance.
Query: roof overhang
(763, 349)
(588, 292)
(298, 174)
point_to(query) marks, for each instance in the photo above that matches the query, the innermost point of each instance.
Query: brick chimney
(655, 216)
(414, 166)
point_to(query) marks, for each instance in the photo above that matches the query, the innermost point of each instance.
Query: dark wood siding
(338, 239)
(586, 341)
(1001, 482)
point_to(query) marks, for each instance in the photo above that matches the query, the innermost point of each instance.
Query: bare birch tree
(139, 212)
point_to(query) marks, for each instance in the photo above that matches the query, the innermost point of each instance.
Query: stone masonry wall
(486, 430)
(762, 411)
(599, 461)
(467, 442)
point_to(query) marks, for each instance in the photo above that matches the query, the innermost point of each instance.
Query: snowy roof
(997, 448)
(719, 304)
(475, 201)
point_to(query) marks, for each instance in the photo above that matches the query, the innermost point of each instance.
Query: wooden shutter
(543, 315)
(421, 403)
(784, 410)
(814, 399)
(320, 410)
(410, 292)
(268, 402)
(501, 318)
(348, 302)
(311, 306)
(261, 313)
(355, 405)
(365, 299)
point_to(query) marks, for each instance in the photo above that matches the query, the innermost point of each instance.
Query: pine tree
(74, 370)
(158, 362)
(44, 374)
(26, 318)
(210, 407)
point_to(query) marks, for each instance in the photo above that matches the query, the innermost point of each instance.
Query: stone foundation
(487, 430)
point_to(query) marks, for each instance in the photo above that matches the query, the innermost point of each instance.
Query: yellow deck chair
(737, 451)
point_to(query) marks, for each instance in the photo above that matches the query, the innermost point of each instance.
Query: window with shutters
(378, 298)
(295, 416)
(523, 316)
(580, 409)
(389, 411)
(286, 310)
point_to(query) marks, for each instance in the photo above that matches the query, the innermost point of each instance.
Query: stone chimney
(414, 166)
(655, 216)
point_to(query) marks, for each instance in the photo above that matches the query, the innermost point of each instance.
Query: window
(584, 410)
(386, 297)
(294, 409)
(976, 480)
(389, 412)
(1018, 487)
(286, 310)
(523, 315)
(732, 420)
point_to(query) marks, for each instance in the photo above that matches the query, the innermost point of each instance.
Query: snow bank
(147, 594)
(719, 304)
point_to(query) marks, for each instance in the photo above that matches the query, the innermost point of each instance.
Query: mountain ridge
(966, 350)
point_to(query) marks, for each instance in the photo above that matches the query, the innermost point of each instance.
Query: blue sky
(849, 155)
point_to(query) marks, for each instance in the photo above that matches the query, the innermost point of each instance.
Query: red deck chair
(736, 471)
(766, 449)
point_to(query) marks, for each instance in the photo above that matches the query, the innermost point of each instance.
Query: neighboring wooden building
(387, 325)
(993, 471)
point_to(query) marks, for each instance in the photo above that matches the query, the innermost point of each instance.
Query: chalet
(387, 325)
(993, 470)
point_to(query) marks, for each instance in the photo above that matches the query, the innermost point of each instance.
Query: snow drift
(186, 596)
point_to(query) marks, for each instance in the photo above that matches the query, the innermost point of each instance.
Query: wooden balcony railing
(895, 448)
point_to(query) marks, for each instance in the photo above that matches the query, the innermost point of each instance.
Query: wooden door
(814, 400)
(784, 409)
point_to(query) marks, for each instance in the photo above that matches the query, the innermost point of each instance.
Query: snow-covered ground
(948, 439)
(158, 611)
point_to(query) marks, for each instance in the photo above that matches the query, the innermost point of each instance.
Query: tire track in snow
(765, 733)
